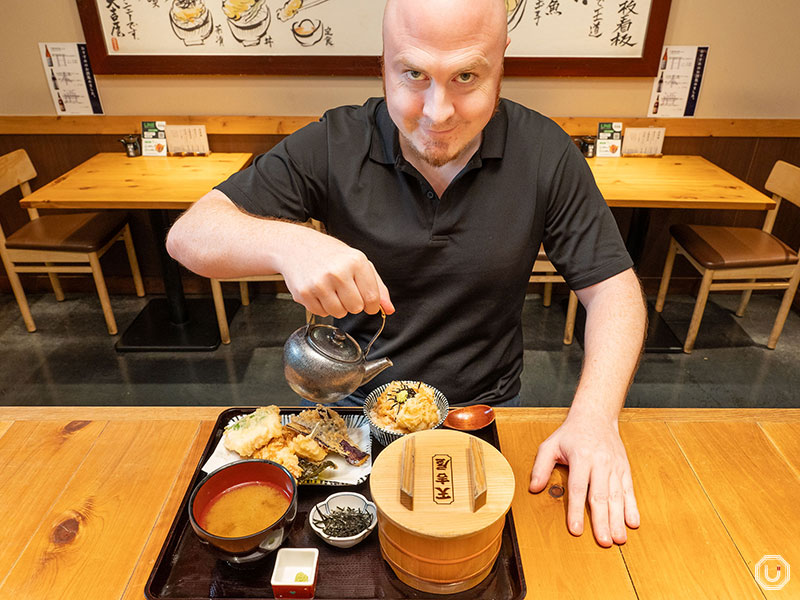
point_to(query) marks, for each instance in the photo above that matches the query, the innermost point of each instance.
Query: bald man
(436, 199)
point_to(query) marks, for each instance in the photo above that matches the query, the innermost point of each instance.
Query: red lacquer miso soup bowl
(244, 511)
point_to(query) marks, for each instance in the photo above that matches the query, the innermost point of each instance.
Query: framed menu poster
(343, 37)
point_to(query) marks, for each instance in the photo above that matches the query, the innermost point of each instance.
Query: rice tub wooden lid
(443, 484)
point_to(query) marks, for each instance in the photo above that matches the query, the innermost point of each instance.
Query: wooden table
(111, 180)
(674, 181)
(89, 493)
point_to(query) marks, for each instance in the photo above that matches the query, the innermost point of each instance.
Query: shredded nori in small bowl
(343, 522)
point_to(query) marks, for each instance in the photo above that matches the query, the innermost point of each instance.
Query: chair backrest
(16, 169)
(784, 180)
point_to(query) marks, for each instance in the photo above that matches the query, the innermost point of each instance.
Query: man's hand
(329, 277)
(598, 464)
(588, 440)
(216, 239)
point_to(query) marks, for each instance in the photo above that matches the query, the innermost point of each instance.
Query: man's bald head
(445, 20)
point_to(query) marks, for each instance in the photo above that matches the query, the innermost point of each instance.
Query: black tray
(186, 570)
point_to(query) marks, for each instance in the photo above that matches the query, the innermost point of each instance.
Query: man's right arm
(216, 239)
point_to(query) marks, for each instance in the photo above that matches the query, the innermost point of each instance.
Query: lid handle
(310, 320)
(407, 475)
(477, 474)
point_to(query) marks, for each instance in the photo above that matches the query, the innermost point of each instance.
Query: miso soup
(244, 509)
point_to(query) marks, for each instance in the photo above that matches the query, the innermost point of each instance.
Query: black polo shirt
(456, 267)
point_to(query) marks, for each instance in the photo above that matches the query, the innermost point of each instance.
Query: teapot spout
(373, 367)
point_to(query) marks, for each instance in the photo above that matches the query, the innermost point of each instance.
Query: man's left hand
(598, 465)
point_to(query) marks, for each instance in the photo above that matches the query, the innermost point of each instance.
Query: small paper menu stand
(187, 140)
(643, 141)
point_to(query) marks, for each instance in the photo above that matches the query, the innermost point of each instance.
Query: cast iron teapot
(324, 364)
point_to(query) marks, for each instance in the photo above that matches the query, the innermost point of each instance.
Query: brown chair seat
(717, 247)
(81, 232)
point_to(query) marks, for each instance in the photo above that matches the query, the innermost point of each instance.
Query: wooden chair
(744, 258)
(65, 243)
(545, 272)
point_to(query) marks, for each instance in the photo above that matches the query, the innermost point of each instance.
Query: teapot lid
(334, 343)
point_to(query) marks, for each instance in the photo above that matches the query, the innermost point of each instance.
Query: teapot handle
(375, 337)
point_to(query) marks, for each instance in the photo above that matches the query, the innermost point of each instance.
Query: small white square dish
(295, 573)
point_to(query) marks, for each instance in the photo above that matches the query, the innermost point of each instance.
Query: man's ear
(508, 40)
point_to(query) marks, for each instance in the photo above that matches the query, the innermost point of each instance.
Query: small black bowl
(250, 548)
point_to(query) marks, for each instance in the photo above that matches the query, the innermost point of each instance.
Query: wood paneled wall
(55, 146)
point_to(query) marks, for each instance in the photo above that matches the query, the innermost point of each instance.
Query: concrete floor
(71, 359)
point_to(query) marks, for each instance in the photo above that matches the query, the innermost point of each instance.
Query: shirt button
(429, 195)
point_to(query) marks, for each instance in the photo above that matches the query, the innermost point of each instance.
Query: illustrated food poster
(542, 28)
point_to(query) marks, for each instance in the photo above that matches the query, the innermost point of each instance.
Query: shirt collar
(385, 145)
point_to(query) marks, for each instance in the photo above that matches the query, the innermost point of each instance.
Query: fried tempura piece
(279, 450)
(307, 447)
(253, 431)
(331, 432)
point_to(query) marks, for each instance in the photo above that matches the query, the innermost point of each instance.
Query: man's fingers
(383, 293)
(372, 292)
(303, 296)
(542, 467)
(616, 510)
(598, 505)
(631, 507)
(366, 280)
(349, 297)
(577, 485)
(332, 305)
(313, 306)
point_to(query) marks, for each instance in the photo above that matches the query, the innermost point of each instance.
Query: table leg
(660, 338)
(171, 273)
(173, 323)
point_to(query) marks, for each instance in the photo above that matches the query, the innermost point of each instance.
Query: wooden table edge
(767, 204)
(204, 413)
(38, 198)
